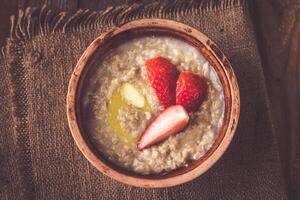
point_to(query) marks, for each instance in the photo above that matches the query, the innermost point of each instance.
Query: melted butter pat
(121, 98)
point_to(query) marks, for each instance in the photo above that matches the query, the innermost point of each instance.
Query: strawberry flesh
(170, 121)
(191, 91)
(162, 75)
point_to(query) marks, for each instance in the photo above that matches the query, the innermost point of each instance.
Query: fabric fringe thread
(32, 21)
(2, 55)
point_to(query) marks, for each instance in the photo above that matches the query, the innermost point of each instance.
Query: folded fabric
(38, 157)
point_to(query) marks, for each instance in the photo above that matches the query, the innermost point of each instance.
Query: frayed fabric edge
(33, 21)
(2, 54)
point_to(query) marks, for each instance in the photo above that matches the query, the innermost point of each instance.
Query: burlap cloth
(38, 157)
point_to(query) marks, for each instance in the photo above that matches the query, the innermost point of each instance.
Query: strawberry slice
(162, 75)
(191, 91)
(169, 122)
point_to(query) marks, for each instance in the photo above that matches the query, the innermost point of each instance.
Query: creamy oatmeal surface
(126, 63)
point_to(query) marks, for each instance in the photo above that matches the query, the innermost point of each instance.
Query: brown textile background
(38, 157)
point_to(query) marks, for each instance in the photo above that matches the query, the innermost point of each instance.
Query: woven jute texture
(38, 157)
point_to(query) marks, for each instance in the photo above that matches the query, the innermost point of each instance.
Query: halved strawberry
(191, 90)
(162, 75)
(169, 122)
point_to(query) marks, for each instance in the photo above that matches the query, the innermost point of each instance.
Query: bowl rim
(138, 181)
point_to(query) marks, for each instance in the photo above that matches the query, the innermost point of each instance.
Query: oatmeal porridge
(120, 102)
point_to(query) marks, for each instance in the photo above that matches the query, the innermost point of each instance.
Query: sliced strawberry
(169, 122)
(162, 75)
(191, 90)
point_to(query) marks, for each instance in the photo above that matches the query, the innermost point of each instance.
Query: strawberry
(191, 90)
(162, 75)
(168, 122)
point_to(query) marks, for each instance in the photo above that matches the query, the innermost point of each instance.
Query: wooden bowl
(210, 51)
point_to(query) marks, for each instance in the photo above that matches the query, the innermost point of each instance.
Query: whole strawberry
(162, 75)
(191, 91)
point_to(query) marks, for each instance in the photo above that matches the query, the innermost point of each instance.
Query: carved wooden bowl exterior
(210, 51)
